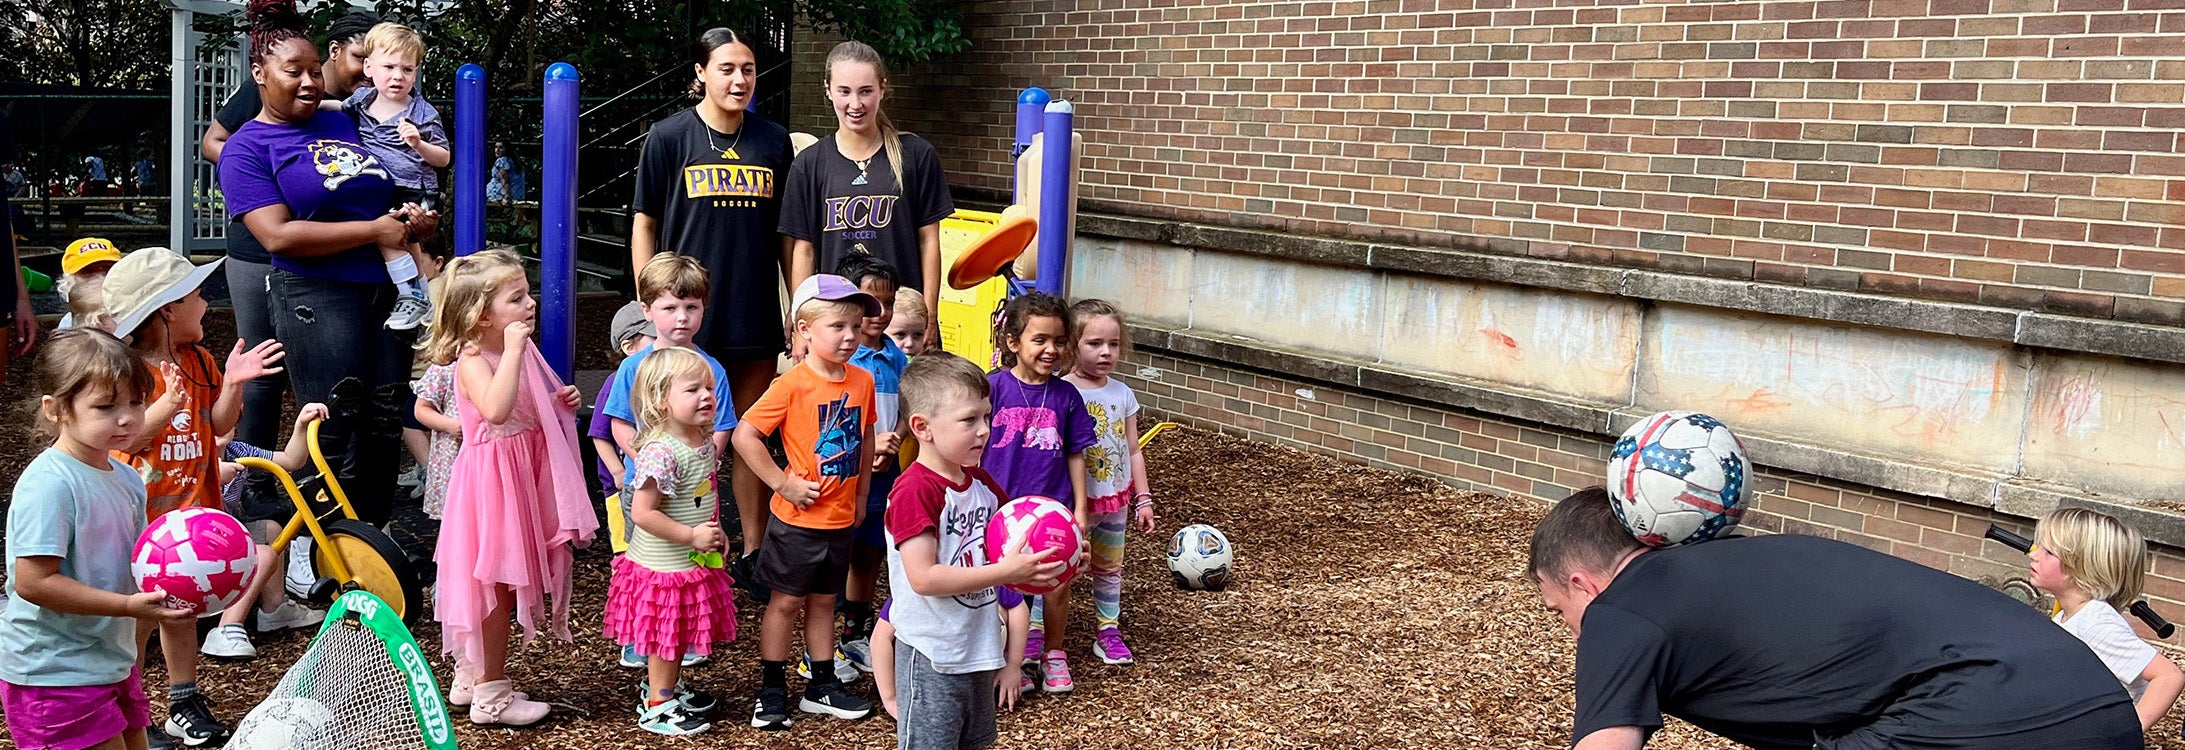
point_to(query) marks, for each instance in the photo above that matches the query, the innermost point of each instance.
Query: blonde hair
(82, 360)
(87, 304)
(910, 305)
(396, 38)
(891, 140)
(466, 288)
(673, 275)
(649, 391)
(2103, 556)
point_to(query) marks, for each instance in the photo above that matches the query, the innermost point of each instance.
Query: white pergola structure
(200, 82)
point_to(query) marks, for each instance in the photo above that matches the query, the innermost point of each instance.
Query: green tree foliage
(101, 43)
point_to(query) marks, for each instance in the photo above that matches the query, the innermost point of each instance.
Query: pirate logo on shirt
(339, 161)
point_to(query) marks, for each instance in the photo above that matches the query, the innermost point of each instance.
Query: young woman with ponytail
(868, 188)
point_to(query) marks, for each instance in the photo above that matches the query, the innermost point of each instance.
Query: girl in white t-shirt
(1115, 469)
(2095, 565)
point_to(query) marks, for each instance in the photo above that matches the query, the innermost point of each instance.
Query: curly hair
(1018, 313)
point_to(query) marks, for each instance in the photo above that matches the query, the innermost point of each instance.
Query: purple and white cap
(828, 286)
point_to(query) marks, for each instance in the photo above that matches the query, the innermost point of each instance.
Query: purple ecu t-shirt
(1036, 429)
(321, 173)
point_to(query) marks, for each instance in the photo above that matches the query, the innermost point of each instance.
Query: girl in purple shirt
(1037, 445)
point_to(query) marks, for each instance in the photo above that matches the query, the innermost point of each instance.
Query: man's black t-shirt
(239, 109)
(722, 210)
(826, 203)
(1789, 641)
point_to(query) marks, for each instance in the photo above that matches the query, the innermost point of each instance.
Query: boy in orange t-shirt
(823, 408)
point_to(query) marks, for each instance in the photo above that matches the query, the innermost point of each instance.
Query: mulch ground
(1370, 609)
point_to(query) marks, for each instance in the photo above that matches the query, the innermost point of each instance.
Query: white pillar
(181, 139)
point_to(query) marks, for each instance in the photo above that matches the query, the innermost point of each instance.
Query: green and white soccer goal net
(362, 685)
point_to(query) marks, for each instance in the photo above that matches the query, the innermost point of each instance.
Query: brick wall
(1513, 459)
(2021, 153)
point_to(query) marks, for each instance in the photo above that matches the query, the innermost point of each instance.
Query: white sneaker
(411, 478)
(289, 615)
(229, 642)
(302, 574)
(410, 311)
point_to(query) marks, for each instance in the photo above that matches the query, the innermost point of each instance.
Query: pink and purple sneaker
(1057, 669)
(1109, 645)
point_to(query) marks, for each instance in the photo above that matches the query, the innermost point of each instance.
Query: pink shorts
(71, 718)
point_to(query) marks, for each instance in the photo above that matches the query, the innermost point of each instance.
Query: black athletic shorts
(801, 562)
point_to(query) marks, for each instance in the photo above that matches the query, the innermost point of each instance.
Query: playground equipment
(983, 251)
(557, 199)
(349, 554)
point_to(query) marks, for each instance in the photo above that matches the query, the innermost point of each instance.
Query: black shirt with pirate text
(715, 197)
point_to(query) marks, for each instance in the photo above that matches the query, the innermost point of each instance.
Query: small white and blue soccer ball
(1677, 477)
(1200, 558)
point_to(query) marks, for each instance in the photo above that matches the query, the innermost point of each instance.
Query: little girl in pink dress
(516, 501)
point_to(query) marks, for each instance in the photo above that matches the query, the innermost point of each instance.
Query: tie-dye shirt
(1036, 429)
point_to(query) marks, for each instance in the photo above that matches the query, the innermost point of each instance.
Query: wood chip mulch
(1370, 609)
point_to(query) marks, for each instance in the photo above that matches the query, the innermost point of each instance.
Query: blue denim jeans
(335, 330)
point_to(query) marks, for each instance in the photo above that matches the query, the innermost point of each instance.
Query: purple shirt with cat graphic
(1036, 429)
(319, 170)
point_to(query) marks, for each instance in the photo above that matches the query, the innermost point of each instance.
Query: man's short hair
(669, 274)
(937, 379)
(1581, 532)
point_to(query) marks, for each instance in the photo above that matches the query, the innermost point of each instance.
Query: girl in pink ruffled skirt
(670, 595)
(516, 502)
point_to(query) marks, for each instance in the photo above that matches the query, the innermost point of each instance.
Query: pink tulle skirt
(684, 612)
(497, 532)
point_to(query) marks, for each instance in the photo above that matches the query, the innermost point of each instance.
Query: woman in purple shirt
(301, 182)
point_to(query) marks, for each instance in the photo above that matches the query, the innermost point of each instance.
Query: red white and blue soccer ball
(1677, 477)
(201, 557)
(1040, 523)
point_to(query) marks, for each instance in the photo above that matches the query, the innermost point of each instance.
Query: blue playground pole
(558, 222)
(470, 159)
(1031, 103)
(1055, 198)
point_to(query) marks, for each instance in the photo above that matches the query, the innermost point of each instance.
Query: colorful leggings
(1107, 570)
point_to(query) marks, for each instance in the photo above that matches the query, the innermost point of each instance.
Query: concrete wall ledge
(1507, 265)
(2003, 493)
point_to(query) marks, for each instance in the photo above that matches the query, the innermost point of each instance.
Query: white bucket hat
(149, 279)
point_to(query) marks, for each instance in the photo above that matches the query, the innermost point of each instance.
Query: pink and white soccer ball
(1678, 477)
(201, 557)
(1043, 523)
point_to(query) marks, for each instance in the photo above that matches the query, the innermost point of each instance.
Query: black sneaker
(191, 723)
(770, 711)
(671, 718)
(745, 572)
(828, 697)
